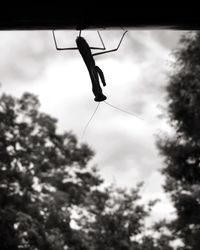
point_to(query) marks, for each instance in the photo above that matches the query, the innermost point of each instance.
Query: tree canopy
(50, 196)
(182, 150)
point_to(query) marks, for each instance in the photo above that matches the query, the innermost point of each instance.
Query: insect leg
(100, 72)
(99, 48)
(103, 48)
(112, 50)
(56, 45)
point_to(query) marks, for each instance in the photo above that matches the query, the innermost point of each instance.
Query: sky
(136, 77)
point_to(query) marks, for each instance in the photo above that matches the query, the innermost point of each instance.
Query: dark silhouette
(182, 150)
(33, 16)
(94, 71)
(43, 174)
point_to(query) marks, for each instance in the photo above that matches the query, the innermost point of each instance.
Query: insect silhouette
(94, 71)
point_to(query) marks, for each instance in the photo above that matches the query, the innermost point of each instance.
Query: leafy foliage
(182, 151)
(50, 198)
(42, 175)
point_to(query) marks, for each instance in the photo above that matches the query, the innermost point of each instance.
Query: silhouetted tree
(43, 174)
(50, 199)
(182, 150)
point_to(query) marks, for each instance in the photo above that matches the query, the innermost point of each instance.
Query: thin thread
(129, 113)
(86, 126)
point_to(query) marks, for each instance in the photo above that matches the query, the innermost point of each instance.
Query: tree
(119, 221)
(43, 174)
(181, 151)
(50, 198)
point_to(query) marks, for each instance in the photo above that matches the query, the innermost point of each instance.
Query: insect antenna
(86, 126)
(124, 111)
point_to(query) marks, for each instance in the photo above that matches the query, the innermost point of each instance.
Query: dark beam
(50, 16)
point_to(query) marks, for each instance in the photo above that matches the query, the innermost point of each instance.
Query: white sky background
(136, 77)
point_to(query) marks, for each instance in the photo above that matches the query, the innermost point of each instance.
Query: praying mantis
(94, 71)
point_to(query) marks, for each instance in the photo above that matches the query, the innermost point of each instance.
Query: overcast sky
(136, 77)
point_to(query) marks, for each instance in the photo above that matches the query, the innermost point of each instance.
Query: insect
(94, 71)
